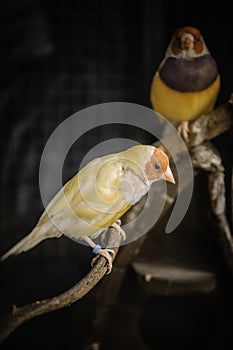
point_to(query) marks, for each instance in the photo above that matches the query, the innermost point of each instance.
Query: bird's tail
(31, 240)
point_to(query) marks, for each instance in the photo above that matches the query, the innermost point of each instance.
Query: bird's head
(158, 167)
(187, 42)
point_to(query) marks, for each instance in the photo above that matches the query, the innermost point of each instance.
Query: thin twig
(19, 315)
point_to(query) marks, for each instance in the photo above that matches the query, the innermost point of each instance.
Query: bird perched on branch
(187, 82)
(97, 196)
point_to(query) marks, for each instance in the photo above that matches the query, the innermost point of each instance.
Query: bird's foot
(183, 130)
(117, 227)
(106, 253)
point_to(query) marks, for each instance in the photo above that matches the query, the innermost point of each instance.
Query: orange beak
(187, 41)
(169, 176)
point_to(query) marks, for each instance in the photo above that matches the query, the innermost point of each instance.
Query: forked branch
(206, 127)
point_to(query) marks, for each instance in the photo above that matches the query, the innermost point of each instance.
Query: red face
(158, 167)
(187, 38)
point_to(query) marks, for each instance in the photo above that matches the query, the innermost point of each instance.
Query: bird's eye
(197, 39)
(156, 166)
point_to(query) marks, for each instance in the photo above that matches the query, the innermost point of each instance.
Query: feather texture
(98, 195)
(187, 82)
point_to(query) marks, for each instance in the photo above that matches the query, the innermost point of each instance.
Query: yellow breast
(182, 106)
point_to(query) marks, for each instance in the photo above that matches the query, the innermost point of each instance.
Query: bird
(186, 83)
(97, 196)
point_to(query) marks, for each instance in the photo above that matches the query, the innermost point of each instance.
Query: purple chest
(189, 75)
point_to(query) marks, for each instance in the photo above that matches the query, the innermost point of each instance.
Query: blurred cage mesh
(58, 60)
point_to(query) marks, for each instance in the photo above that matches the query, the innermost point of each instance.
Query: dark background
(58, 58)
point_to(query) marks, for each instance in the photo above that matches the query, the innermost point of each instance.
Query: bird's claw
(117, 227)
(106, 252)
(108, 255)
(183, 130)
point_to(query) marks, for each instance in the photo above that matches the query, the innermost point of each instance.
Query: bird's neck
(187, 54)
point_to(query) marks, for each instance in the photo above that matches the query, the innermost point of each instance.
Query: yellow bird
(187, 82)
(97, 196)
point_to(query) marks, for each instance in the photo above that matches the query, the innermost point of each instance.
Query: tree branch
(206, 127)
(207, 158)
(211, 125)
(19, 315)
(214, 124)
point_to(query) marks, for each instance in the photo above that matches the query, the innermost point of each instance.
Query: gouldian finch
(97, 196)
(187, 82)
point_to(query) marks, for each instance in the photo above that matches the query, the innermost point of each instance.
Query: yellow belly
(182, 106)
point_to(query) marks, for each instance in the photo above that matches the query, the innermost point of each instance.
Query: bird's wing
(101, 198)
(91, 201)
(61, 201)
(159, 68)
